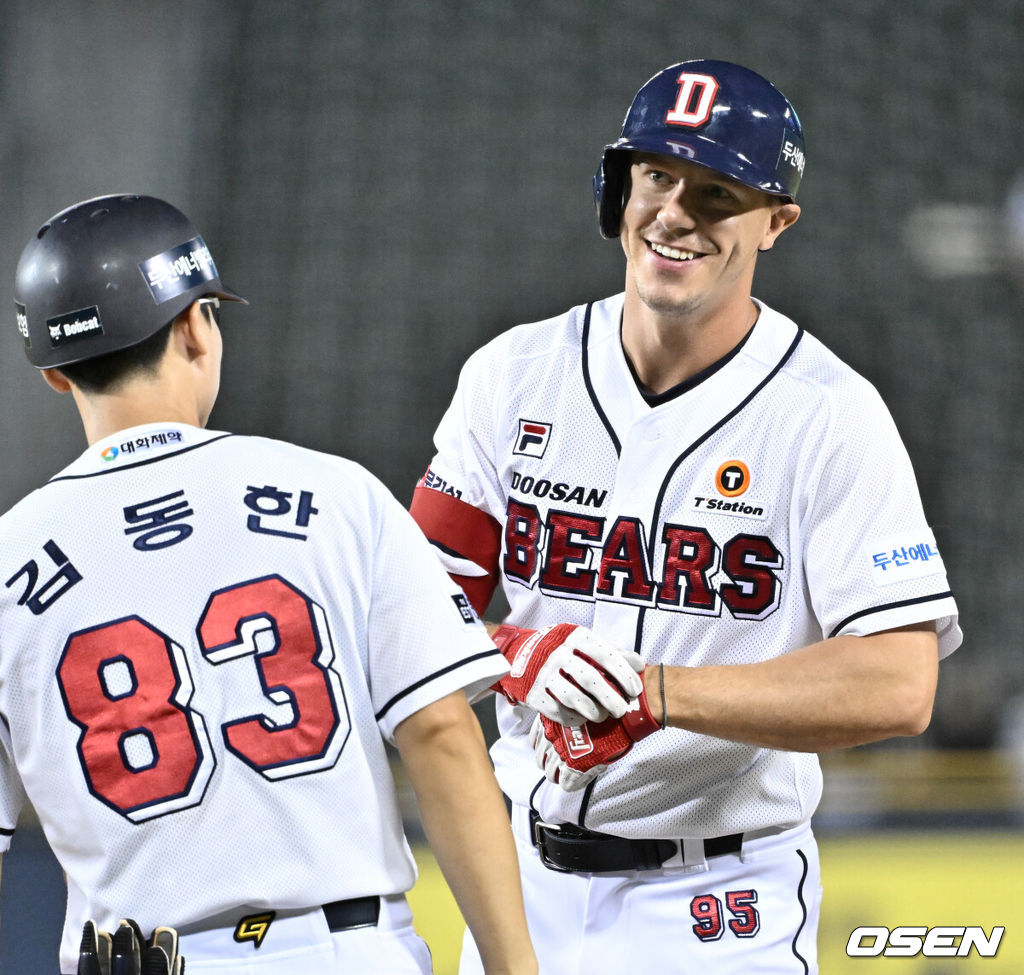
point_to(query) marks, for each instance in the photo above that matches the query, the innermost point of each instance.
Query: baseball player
(208, 639)
(695, 479)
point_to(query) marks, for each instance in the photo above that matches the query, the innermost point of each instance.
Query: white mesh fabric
(262, 824)
(830, 486)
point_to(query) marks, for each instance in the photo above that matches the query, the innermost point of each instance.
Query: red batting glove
(579, 754)
(567, 674)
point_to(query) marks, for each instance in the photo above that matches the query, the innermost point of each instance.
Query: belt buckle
(538, 841)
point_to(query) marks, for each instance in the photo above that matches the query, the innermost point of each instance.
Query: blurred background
(392, 184)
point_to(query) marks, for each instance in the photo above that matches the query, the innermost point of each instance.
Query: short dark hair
(105, 373)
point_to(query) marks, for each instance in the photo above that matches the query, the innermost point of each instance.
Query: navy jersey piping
(803, 908)
(896, 605)
(659, 399)
(437, 673)
(138, 463)
(533, 795)
(585, 362)
(697, 443)
(585, 804)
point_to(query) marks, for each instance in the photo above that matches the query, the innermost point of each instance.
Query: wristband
(639, 722)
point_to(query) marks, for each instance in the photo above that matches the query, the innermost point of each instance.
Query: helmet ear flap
(610, 190)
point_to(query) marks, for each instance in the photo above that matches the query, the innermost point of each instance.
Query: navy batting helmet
(712, 113)
(106, 274)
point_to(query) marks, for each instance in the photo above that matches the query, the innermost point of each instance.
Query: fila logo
(533, 438)
(254, 928)
(732, 478)
(696, 98)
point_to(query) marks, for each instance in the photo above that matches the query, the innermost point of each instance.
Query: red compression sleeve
(464, 531)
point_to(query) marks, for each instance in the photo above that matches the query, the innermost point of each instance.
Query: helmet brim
(226, 294)
(702, 151)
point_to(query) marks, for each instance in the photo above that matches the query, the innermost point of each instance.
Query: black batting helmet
(106, 274)
(712, 113)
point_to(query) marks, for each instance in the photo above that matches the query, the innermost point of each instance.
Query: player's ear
(55, 379)
(783, 216)
(192, 331)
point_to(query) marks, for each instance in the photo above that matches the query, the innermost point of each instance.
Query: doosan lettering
(558, 490)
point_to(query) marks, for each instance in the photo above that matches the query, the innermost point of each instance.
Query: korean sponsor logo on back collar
(128, 448)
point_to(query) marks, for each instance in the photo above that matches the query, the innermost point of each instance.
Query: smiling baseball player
(207, 640)
(695, 479)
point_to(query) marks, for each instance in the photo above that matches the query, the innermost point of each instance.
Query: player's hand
(127, 951)
(573, 757)
(567, 674)
(552, 764)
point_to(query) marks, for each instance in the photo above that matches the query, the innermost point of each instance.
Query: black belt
(359, 912)
(569, 848)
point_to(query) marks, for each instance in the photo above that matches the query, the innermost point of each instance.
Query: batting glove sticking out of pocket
(128, 952)
(567, 674)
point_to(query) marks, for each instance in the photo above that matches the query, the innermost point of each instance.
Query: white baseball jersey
(765, 504)
(205, 640)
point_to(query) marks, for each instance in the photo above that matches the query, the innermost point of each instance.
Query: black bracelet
(664, 708)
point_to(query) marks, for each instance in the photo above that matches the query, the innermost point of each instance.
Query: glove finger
(549, 762)
(618, 667)
(536, 730)
(582, 684)
(125, 954)
(166, 939)
(155, 961)
(567, 695)
(89, 952)
(539, 743)
(549, 702)
(572, 780)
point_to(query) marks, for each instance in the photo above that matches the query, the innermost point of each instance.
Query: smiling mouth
(673, 253)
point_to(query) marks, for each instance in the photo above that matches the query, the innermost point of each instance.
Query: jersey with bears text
(766, 506)
(205, 641)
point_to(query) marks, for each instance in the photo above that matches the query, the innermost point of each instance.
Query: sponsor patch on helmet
(73, 326)
(178, 270)
(22, 314)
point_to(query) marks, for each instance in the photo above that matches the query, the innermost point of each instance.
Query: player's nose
(676, 211)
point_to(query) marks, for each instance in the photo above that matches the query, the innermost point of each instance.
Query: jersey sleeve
(425, 640)
(458, 503)
(872, 560)
(12, 794)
